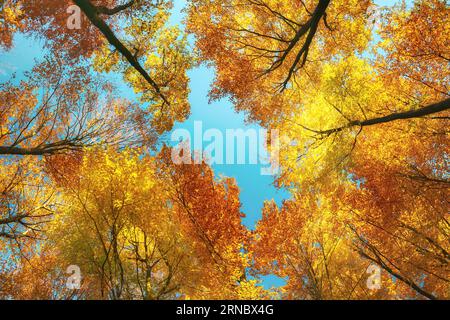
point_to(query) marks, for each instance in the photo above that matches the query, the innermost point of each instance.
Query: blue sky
(255, 188)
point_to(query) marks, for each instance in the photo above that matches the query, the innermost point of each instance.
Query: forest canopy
(359, 93)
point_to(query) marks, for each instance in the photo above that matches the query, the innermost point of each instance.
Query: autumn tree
(263, 47)
(210, 213)
(364, 115)
(118, 229)
(141, 227)
(53, 112)
(325, 243)
(48, 113)
(61, 106)
(306, 242)
(134, 39)
(38, 277)
(359, 94)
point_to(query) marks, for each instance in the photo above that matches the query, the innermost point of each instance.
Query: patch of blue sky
(20, 58)
(220, 115)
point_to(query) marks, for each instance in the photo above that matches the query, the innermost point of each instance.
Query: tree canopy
(359, 94)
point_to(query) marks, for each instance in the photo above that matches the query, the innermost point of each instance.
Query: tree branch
(92, 13)
(309, 28)
(378, 259)
(47, 149)
(416, 113)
